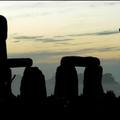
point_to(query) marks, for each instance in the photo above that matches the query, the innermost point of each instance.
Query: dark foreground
(81, 106)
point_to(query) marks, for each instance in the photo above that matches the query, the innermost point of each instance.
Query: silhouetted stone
(93, 81)
(5, 64)
(66, 82)
(80, 61)
(3, 26)
(5, 71)
(5, 82)
(3, 37)
(33, 85)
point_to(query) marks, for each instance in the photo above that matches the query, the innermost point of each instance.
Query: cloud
(96, 33)
(82, 34)
(59, 36)
(26, 37)
(107, 33)
(41, 39)
(16, 41)
(62, 38)
(101, 49)
(47, 40)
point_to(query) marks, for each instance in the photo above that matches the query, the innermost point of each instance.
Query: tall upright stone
(93, 81)
(33, 87)
(66, 85)
(3, 38)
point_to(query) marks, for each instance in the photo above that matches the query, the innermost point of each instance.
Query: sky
(48, 30)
